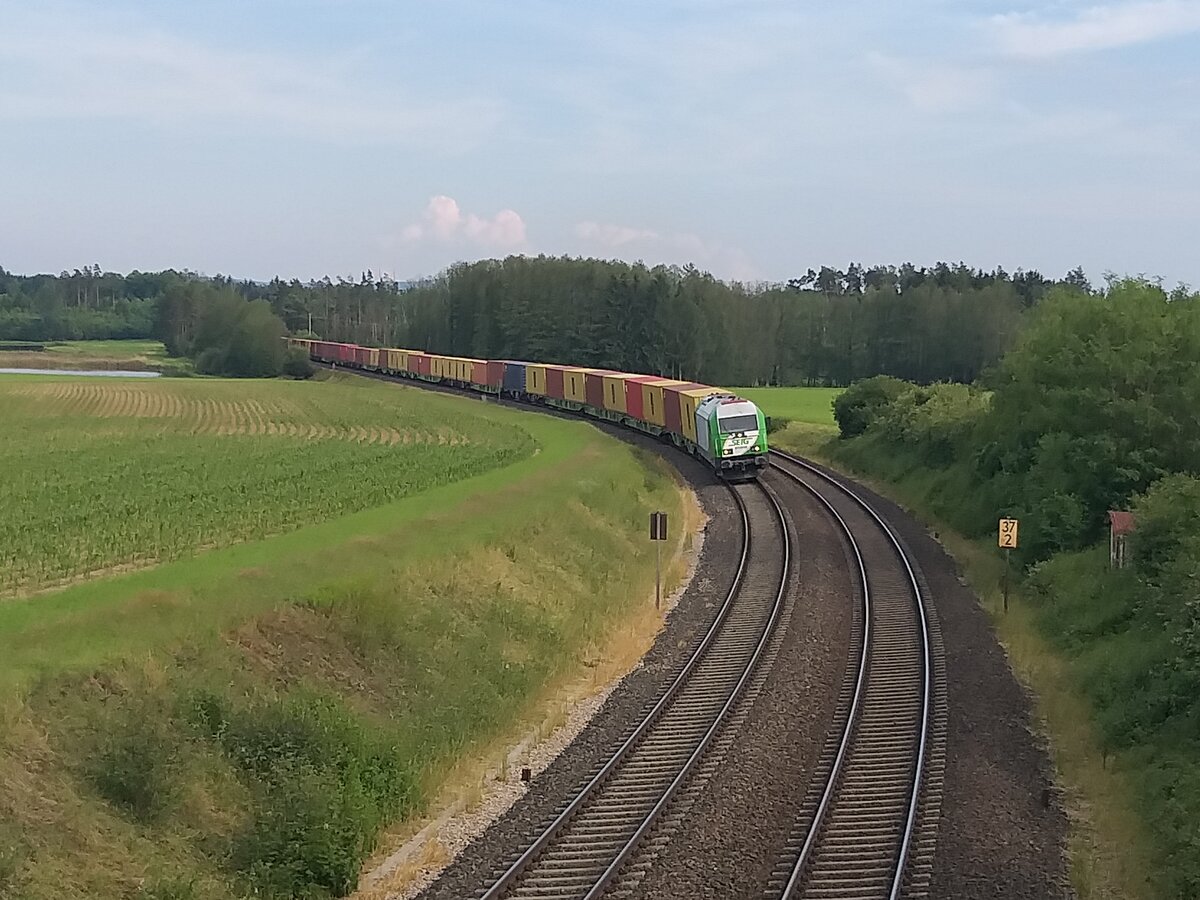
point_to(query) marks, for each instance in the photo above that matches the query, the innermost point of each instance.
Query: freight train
(726, 431)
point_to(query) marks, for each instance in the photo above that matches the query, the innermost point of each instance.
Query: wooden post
(658, 534)
(658, 574)
(1007, 539)
(1007, 554)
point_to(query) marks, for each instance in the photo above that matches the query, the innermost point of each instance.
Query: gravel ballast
(1003, 830)
(487, 856)
(735, 832)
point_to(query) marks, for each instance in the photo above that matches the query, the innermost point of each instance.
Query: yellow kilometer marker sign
(1008, 542)
(1008, 533)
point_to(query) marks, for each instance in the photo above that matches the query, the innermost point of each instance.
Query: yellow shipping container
(535, 380)
(614, 392)
(653, 410)
(573, 384)
(688, 401)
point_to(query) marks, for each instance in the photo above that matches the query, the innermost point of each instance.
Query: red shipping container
(490, 372)
(346, 353)
(633, 394)
(554, 382)
(424, 364)
(593, 388)
(671, 405)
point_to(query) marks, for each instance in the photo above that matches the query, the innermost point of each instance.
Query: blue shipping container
(514, 376)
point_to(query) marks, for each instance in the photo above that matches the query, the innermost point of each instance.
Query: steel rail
(850, 733)
(510, 878)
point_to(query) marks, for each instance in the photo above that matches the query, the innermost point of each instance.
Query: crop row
(88, 492)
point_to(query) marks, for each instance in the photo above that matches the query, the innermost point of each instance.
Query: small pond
(93, 373)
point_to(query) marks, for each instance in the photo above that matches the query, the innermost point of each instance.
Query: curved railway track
(858, 829)
(867, 829)
(584, 848)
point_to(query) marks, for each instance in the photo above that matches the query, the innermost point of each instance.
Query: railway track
(581, 852)
(858, 830)
(867, 829)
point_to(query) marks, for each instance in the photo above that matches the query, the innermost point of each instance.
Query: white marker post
(658, 534)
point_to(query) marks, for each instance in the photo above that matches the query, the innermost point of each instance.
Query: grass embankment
(128, 356)
(247, 720)
(1054, 649)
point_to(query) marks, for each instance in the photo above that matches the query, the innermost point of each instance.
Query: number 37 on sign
(1008, 533)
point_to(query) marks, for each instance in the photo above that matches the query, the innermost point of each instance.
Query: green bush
(937, 421)
(857, 407)
(1168, 514)
(134, 763)
(170, 888)
(324, 785)
(1140, 672)
(310, 836)
(297, 364)
(223, 332)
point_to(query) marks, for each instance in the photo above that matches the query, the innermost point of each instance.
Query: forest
(1092, 409)
(828, 326)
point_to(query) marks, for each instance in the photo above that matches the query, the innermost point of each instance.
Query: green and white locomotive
(731, 435)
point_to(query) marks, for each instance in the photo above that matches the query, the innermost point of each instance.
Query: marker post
(658, 534)
(1007, 540)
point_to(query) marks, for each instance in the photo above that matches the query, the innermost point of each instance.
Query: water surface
(91, 373)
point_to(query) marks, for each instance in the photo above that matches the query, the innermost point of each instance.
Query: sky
(754, 139)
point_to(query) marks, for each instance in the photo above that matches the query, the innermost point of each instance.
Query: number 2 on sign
(1008, 533)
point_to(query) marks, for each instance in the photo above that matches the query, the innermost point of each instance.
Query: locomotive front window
(730, 424)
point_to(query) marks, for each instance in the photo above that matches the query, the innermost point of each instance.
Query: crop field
(808, 405)
(103, 474)
(126, 355)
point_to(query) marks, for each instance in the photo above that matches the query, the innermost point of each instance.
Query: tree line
(828, 326)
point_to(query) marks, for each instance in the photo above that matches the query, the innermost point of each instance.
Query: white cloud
(934, 87)
(444, 221)
(613, 235)
(677, 248)
(1095, 28)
